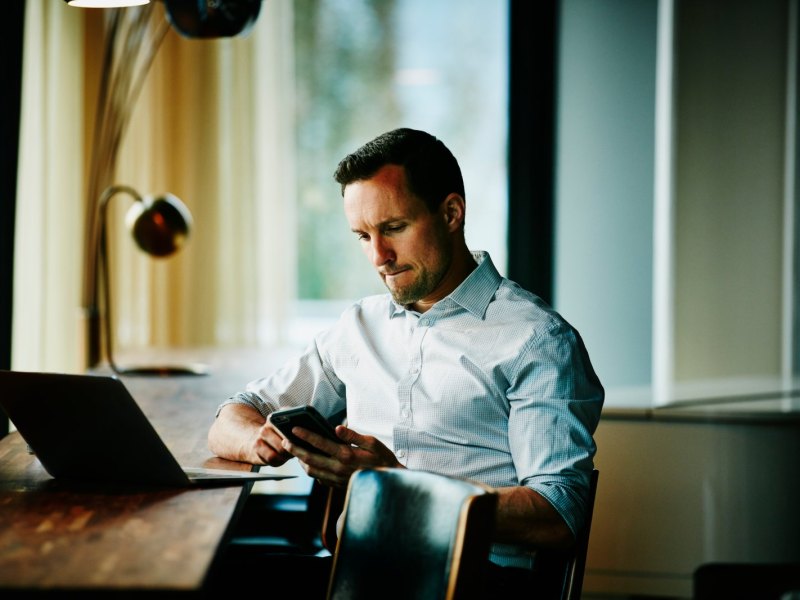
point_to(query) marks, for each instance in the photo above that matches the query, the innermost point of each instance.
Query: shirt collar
(473, 294)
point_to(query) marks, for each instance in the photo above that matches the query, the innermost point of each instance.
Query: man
(457, 370)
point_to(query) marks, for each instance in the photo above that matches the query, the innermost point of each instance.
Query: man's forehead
(381, 199)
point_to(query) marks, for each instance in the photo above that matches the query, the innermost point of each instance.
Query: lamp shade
(160, 225)
(105, 3)
(212, 18)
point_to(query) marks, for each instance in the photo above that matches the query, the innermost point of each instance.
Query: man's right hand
(240, 433)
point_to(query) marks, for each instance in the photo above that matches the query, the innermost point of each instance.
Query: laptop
(89, 428)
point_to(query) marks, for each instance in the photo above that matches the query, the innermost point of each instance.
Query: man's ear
(454, 210)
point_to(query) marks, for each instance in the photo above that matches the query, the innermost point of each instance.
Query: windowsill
(760, 411)
(729, 399)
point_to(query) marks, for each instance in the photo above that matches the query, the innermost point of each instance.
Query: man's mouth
(391, 274)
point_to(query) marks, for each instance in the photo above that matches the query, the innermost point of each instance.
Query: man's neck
(463, 264)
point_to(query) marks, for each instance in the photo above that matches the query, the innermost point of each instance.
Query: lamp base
(165, 370)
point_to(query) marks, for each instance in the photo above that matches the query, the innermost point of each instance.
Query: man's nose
(382, 252)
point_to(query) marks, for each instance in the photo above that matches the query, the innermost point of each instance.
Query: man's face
(409, 246)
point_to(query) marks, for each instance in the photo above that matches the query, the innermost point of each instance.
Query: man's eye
(394, 228)
(362, 237)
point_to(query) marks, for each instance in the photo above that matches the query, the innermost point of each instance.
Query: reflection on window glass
(367, 66)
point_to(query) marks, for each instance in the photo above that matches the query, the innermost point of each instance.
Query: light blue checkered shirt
(489, 384)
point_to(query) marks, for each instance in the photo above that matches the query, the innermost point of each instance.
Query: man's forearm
(233, 431)
(524, 517)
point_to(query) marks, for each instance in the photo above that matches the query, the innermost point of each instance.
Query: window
(366, 67)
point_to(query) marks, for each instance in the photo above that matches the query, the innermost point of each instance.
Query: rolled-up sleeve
(555, 402)
(301, 381)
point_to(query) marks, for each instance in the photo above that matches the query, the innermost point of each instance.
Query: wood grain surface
(65, 536)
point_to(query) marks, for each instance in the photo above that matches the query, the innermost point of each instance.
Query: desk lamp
(160, 226)
(131, 43)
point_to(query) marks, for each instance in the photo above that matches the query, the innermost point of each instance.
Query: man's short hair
(432, 172)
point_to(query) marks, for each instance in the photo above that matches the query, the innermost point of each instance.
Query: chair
(285, 523)
(276, 532)
(559, 574)
(412, 534)
(334, 506)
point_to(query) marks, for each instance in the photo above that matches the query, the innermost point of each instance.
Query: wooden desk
(69, 537)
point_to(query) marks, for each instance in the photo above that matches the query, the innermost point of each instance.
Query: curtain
(213, 126)
(49, 228)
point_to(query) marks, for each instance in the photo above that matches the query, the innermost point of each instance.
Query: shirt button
(404, 413)
(415, 370)
(401, 453)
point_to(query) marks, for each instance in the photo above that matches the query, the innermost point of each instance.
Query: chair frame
(561, 572)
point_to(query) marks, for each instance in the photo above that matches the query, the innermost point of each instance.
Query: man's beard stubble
(425, 282)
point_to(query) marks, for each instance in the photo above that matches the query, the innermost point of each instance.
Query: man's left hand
(355, 452)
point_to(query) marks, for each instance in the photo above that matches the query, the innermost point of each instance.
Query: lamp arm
(127, 85)
(127, 58)
(103, 255)
(98, 171)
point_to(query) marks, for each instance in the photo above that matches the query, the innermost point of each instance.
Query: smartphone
(306, 417)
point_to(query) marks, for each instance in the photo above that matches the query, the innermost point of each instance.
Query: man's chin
(402, 297)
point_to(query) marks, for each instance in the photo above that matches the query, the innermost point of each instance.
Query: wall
(677, 491)
(730, 100)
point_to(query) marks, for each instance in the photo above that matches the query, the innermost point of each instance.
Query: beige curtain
(49, 226)
(212, 126)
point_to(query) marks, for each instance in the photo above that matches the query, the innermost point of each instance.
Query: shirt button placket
(404, 389)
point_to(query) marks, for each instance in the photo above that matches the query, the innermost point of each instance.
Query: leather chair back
(412, 534)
